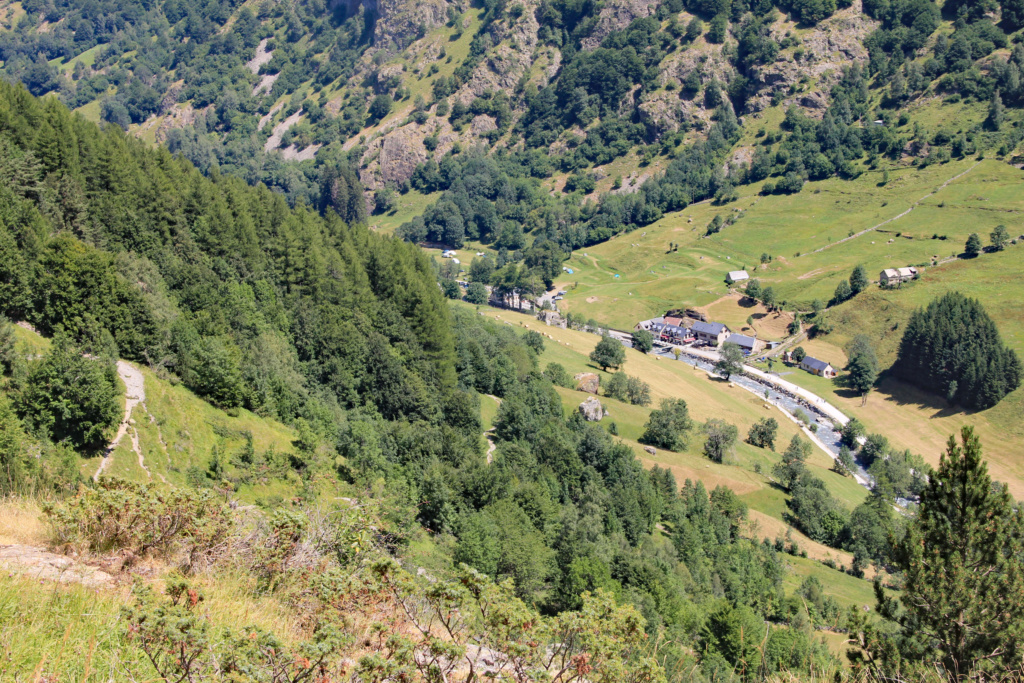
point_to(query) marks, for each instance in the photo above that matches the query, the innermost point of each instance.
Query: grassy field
(409, 205)
(67, 632)
(706, 397)
(652, 279)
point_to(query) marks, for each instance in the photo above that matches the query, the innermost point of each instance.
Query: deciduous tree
(668, 427)
(730, 361)
(608, 353)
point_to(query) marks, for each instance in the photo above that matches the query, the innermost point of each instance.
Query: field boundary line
(898, 216)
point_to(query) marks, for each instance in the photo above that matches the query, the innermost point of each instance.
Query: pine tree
(973, 246)
(952, 341)
(1000, 237)
(963, 596)
(996, 112)
(858, 280)
(863, 365)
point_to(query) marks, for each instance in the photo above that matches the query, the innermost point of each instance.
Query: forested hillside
(241, 199)
(538, 121)
(118, 250)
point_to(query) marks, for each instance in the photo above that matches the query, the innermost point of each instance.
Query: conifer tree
(973, 246)
(858, 280)
(952, 348)
(963, 598)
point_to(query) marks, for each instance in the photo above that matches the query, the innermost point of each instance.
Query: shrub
(763, 433)
(139, 518)
(181, 645)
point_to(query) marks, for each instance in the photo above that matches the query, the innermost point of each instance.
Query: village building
(817, 367)
(710, 333)
(894, 276)
(749, 345)
(737, 275)
(649, 324)
(675, 334)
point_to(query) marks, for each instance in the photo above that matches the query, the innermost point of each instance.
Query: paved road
(777, 392)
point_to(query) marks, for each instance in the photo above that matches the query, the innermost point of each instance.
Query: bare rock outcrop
(588, 382)
(833, 44)
(617, 15)
(393, 157)
(511, 42)
(43, 565)
(592, 410)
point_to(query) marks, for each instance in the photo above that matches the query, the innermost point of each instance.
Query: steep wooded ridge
(561, 122)
(207, 190)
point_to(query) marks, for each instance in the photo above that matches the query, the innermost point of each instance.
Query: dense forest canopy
(249, 302)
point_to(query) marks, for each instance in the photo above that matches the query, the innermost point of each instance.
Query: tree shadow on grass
(747, 302)
(905, 394)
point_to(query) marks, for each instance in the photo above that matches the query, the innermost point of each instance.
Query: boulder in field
(592, 410)
(588, 382)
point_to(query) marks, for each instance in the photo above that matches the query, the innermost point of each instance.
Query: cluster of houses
(684, 330)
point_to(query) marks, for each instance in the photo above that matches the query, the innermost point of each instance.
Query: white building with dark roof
(817, 367)
(711, 333)
(895, 276)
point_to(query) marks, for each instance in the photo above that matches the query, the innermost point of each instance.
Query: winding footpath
(135, 395)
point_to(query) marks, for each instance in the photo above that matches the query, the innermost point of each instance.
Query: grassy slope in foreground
(706, 398)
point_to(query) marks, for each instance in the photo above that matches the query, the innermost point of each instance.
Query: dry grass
(21, 522)
(763, 526)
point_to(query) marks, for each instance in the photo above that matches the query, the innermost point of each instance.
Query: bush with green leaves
(183, 646)
(762, 433)
(628, 389)
(187, 526)
(556, 374)
(71, 397)
(669, 426)
(601, 640)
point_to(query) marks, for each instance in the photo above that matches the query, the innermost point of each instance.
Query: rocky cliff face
(514, 56)
(824, 51)
(616, 15)
(397, 23)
